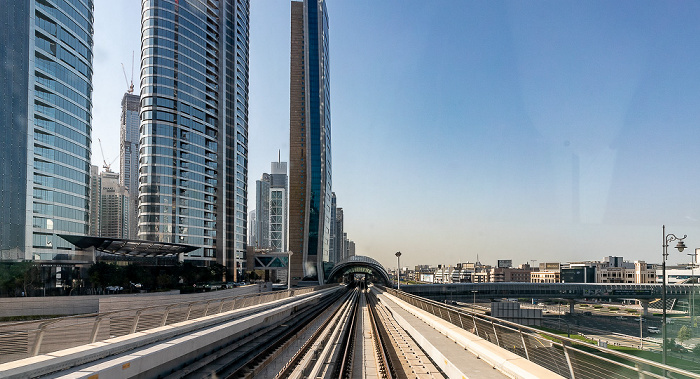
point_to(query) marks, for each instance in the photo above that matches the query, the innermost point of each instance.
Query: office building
(45, 138)
(333, 253)
(193, 165)
(262, 212)
(129, 155)
(310, 141)
(339, 235)
(252, 235)
(110, 215)
(271, 209)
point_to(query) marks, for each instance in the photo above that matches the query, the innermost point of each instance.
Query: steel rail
(385, 369)
(242, 357)
(288, 368)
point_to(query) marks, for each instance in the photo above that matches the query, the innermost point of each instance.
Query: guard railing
(26, 339)
(570, 358)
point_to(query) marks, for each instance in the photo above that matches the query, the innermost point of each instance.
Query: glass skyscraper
(310, 140)
(129, 154)
(193, 165)
(45, 133)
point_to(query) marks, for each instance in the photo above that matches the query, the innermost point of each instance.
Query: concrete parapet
(511, 364)
(144, 354)
(74, 305)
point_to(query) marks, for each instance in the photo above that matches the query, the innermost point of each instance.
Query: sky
(548, 130)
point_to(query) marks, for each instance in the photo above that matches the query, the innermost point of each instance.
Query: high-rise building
(252, 235)
(45, 137)
(310, 140)
(194, 127)
(340, 235)
(333, 253)
(262, 212)
(110, 206)
(129, 155)
(279, 195)
(271, 209)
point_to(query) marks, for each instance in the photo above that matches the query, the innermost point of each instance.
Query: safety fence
(570, 358)
(26, 339)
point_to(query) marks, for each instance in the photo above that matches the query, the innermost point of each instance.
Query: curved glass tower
(193, 154)
(310, 140)
(46, 116)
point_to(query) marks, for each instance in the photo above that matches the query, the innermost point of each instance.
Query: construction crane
(129, 86)
(106, 166)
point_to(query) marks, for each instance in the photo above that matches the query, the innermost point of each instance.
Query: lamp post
(474, 299)
(398, 271)
(691, 301)
(289, 271)
(680, 246)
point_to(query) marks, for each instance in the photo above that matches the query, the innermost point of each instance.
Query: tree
(684, 334)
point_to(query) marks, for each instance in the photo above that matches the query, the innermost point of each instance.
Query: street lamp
(398, 272)
(474, 299)
(680, 246)
(691, 300)
(289, 271)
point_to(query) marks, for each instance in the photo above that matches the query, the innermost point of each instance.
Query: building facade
(339, 234)
(193, 165)
(129, 155)
(333, 253)
(271, 209)
(45, 138)
(310, 140)
(111, 205)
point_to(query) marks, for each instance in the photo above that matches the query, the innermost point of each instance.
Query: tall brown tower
(309, 141)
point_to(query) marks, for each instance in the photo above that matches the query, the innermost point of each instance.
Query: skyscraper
(110, 206)
(309, 140)
(129, 155)
(271, 209)
(45, 137)
(333, 253)
(194, 127)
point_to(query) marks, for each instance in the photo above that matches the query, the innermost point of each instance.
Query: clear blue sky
(554, 131)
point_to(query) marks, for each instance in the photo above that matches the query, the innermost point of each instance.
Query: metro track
(348, 335)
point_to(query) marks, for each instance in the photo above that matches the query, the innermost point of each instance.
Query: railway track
(346, 336)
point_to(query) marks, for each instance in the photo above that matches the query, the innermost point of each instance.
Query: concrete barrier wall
(50, 305)
(73, 305)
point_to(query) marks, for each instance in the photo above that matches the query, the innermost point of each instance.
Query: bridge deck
(464, 361)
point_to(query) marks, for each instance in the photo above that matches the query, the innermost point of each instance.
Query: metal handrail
(571, 351)
(30, 338)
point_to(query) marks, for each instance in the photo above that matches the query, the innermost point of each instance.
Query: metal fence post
(495, 334)
(568, 359)
(522, 338)
(189, 310)
(95, 329)
(136, 320)
(206, 308)
(476, 330)
(460, 320)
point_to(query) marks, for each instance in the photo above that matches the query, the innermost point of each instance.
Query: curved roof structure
(136, 248)
(358, 264)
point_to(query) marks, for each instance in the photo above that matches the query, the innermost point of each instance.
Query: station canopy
(126, 247)
(358, 264)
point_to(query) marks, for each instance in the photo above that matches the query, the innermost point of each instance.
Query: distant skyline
(554, 131)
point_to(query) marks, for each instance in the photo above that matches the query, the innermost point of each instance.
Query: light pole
(680, 246)
(691, 301)
(398, 272)
(474, 299)
(641, 338)
(289, 271)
